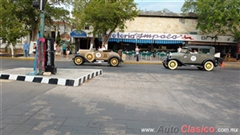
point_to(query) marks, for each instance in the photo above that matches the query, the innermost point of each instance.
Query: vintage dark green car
(203, 57)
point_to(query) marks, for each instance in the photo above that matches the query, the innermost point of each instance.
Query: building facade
(162, 32)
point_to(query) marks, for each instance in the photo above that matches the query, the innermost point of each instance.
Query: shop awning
(112, 40)
(139, 41)
(115, 40)
(144, 41)
(168, 42)
(78, 34)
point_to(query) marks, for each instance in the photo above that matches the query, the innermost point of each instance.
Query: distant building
(160, 32)
(150, 31)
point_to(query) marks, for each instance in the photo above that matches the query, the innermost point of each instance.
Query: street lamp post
(39, 4)
(41, 44)
(136, 41)
(41, 36)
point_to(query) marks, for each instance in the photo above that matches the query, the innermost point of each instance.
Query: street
(129, 99)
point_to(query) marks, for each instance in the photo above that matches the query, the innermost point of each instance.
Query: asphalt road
(122, 101)
(10, 63)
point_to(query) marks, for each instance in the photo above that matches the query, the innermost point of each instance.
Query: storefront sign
(204, 38)
(180, 37)
(149, 36)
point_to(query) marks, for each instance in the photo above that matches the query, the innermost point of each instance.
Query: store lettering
(145, 36)
(211, 38)
(204, 37)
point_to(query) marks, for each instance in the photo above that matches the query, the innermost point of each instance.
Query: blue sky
(156, 5)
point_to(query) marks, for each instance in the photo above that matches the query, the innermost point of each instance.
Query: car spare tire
(89, 56)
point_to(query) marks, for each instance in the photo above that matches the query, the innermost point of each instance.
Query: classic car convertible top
(91, 56)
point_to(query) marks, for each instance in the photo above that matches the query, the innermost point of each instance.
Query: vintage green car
(203, 57)
(92, 56)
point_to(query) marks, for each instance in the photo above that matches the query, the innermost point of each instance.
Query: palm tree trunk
(92, 42)
(12, 49)
(34, 34)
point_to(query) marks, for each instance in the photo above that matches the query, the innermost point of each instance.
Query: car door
(203, 54)
(193, 58)
(185, 58)
(101, 55)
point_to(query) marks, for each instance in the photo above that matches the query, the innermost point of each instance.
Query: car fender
(84, 59)
(209, 60)
(113, 56)
(178, 61)
(218, 61)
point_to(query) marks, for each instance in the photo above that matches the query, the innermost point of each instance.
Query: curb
(48, 80)
(232, 65)
(22, 58)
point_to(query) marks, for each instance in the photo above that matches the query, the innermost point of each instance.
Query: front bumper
(218, 62)
(165, 61)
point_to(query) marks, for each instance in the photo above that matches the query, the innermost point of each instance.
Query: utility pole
(136, 41)
(40, 56)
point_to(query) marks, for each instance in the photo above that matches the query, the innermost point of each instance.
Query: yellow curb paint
(2, 80)
(17, 58)
(229, 65)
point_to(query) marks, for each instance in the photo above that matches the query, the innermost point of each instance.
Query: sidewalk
(132, 61)
(64, 77)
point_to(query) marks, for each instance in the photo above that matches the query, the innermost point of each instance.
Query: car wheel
(78, 60)
(208, 66)
(114, 61)
(172, 64)
(165, 65)
(200, 68)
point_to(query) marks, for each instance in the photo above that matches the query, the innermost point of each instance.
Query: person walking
(55, 46)
(137, 53)
(64, 48)
(179, 49)
(34, 49)
(68, 51)
(26, 49)
(58, 52)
